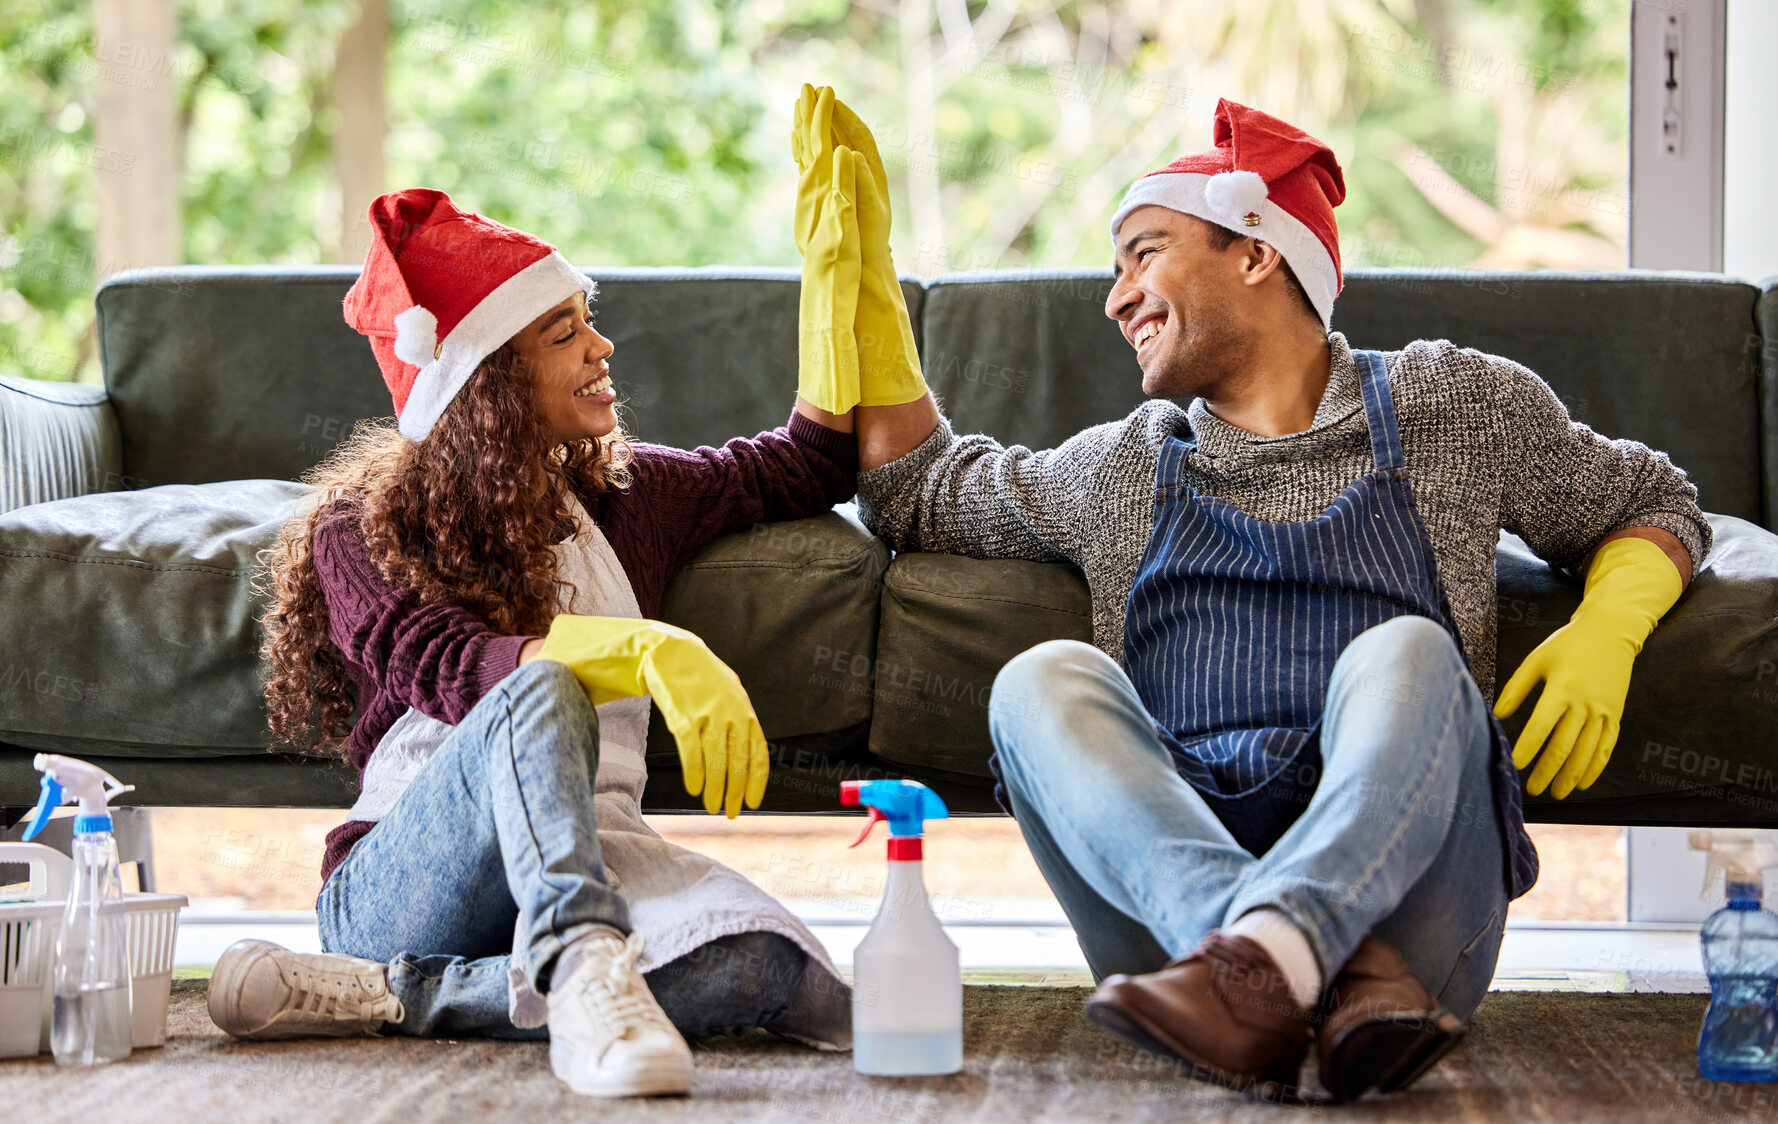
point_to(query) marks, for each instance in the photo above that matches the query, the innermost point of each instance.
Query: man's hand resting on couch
(1585, 665)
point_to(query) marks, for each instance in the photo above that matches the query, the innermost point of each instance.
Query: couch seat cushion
(143, 622)
(136, 619)
(774, 602)
(948, 626)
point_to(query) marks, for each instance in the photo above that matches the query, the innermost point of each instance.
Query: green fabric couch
(130, 518)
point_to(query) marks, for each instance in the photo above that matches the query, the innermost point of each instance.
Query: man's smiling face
(1173, 301)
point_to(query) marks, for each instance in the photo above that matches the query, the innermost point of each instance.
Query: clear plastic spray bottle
(90, 1020)
(1739, 1038)
(907, 983)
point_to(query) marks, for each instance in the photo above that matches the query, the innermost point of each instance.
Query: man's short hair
(1221, 238)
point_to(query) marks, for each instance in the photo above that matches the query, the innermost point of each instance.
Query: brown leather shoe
(1383, 1028)
(1225, 1010)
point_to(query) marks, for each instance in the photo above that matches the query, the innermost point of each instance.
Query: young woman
(474, 584)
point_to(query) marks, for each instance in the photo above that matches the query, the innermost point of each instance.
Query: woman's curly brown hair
(466, 517)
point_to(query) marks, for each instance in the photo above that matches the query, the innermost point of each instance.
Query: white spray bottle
(907, 987)
(90, 1022)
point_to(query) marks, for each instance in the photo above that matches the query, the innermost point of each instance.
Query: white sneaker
(607, 1035)
(261, 990)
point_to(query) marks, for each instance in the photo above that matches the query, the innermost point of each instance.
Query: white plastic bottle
(90, 1021)
(907, 987)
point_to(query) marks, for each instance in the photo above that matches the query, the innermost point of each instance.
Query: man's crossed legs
(1400, 842)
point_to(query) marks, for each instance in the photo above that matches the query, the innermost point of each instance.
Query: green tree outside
(1485, 133)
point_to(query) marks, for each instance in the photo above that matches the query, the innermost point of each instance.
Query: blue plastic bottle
(1739, 1038)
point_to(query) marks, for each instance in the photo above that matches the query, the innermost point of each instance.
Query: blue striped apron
(1234, 624)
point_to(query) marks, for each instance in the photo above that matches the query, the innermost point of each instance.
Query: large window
(1488, 133)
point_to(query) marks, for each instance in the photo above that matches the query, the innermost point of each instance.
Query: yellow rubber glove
(827, 237)
(888, 362)
(721, 746)
(1584, 667)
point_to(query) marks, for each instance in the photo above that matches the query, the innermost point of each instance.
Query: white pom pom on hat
(1235, 195)
(416, 336)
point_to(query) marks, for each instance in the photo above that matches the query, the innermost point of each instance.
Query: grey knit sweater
(1489, 447)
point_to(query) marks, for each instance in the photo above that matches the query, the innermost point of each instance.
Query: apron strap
(1379, 411)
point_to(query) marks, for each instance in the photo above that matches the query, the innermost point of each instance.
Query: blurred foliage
(1473, 132)
(47, 211)
(627, 135)
(250, 79)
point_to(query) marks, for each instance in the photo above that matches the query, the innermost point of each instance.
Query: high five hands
(855, 342)
(827, 237)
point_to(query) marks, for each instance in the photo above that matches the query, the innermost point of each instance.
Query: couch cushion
(137, 620)
(948, 625)
(275, 379)
(154, 646)
(773, 602)
(1027, 356)
(1665, 359)
(777, 602)
(270, 384)
(1697, 731)
(1661, 358)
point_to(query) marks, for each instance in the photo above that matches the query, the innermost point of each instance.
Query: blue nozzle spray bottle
(1739, 1038)
(907, 986)
(90, 1022)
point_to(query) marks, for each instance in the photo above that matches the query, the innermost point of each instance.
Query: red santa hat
(1265, 179)
(441, 290)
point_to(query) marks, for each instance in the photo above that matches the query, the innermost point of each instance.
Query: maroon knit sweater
(441, 659)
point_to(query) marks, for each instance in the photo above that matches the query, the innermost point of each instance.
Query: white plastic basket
(27, 952)
(28, 948)
(153, 922)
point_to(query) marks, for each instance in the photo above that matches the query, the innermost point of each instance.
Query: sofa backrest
(1668, 359)
(221, 373)
(225, 373)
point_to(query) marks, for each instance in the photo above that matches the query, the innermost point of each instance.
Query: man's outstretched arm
(967, 497)
(1585, 665)
(887, 433)
(840, 423)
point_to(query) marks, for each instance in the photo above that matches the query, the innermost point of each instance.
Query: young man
(1270, 795)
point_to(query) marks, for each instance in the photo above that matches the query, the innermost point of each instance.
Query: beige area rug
(1030, 1056)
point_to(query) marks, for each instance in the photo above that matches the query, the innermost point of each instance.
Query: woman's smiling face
(565, 359)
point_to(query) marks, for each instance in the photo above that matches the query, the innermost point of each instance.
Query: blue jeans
(499, 825)
(1401, 838)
